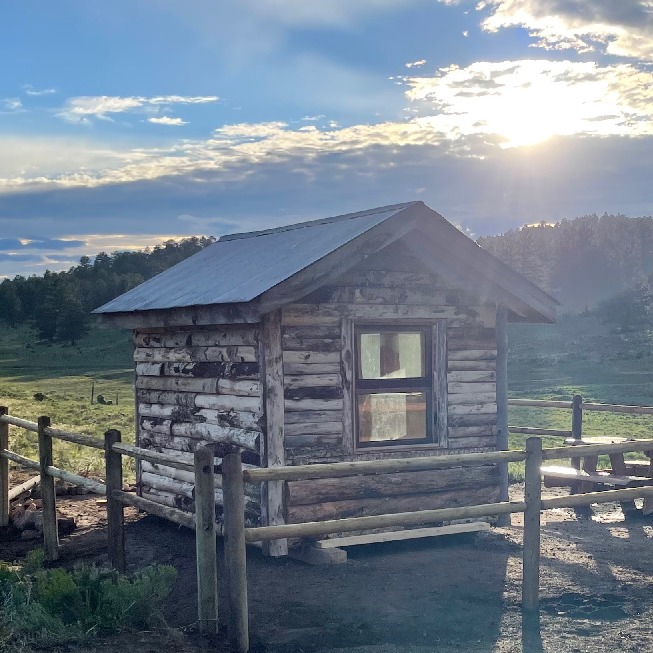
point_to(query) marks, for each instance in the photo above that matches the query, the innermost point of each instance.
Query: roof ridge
(313, 223)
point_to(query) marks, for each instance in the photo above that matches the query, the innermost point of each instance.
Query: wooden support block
(316, 556)
(408, 534)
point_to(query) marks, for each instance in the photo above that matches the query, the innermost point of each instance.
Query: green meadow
(579, 355)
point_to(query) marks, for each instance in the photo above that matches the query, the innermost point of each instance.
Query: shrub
(48, 606)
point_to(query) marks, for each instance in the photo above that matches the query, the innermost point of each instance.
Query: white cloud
(618, 27)
(12, 104)
(30, 90)
(79, 109)
(167, 120)
(416, 64)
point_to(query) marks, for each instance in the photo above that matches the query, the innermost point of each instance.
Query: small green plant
(47, 606)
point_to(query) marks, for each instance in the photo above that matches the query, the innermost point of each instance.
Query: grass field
(579, 355)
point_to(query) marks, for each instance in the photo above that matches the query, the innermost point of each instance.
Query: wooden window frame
(429, 384)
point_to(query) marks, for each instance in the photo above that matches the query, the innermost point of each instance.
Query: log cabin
(377, 334)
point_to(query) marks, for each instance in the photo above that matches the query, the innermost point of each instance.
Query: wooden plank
(471, 377)
(273, 356)
(314, 428)
(473, 355)
(481, 419)
(441, 398)
(408, 534)
(211, 370)
(311, 368)
(176, 384)
(456, 388)
(472, 366)
(294, 313)
(472, 409)
(311, 344)
(354, 294)
(605, 478)
(313, 331)
(320, 392)
(205, 542)
(313, 404)
(115, 509)
(309, 440)
(313, 416)
(379, 486)
(475, 442)
(533, 500)
(471, 431)
(48, 494)
(216, 433)
(4, 470)
(347, 375)
(228, 402)
(311, 381)
(309, 357)
(482, 397)
(501, 399)
(195, 354)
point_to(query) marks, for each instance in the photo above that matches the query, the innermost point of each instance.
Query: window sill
(430, 446)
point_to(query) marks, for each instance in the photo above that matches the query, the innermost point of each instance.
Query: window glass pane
(389, 416)
(391, 355)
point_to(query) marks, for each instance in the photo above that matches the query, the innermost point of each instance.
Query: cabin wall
(317, 341)
(196, 386)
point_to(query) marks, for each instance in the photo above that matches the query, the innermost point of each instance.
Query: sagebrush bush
(57, 605)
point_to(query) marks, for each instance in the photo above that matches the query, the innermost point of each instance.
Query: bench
(571, 475)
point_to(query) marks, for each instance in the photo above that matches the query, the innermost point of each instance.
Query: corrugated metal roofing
(240, 267)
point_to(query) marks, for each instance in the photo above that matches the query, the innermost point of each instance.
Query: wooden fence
(237, 535)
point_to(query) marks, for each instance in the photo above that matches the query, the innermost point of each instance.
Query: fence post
(234, 550)
(577, 417)
(115, 508)
(533, 499)
(48, 493)
(205, 541)
(4, 470)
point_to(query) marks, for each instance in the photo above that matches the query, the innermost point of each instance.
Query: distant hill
(582, 261)
(58, 303)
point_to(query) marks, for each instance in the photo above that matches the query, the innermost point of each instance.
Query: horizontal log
(308, 440)
(169, 499)
(473, 355)
(388, 505)
(155, 425)
(150, 439)
(313, 416)
(311, 368)
(214, 433)
(28, 463)
(471, 377)
(237, 419)
(239, 388)
(21, 423)
(312, 380)
(311, 344)
(76, 438)
(481, 419)
(618, 408)
(606, 496)
(309, 357)
(387, 485)
(581, 450)
(469, 431)
(155, 508)
(388, 466)
(462, 335)
(484, 442)
(312, 404)
(314, 428)
(162, 339)
(532, 430)
(315, 529)
(149, 456)
(471, 409)
(311, 332)
(76, 479)
(225, 402)
(389, 279)
(212, 370)
(24, 487)
(321, 392)
(539, 403)
(195, 354)
(186, 399)
(155, 410)
(354, 294)
(149, 369)
(175, 383)
(472, 398)
(239, 336)
(457, 388)
(471, 366)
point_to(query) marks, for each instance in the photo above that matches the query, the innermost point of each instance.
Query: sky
(125, 123)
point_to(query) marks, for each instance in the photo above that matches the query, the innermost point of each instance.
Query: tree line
(58, 304)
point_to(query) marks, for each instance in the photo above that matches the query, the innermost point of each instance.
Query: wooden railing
(577, 407)
(237, 535)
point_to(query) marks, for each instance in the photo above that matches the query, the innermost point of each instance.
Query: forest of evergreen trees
(593, 262)
(58, 304)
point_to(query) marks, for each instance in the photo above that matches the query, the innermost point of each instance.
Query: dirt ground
(455, 593)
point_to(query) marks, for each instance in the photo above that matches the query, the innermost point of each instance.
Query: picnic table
(582, 476)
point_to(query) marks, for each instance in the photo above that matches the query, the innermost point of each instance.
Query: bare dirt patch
(456, 593)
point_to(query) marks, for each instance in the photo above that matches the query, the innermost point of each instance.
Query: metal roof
(240, 267)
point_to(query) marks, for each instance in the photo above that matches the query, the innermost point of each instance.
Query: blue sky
(125, 123)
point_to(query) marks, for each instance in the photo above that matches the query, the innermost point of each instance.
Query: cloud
(18, 244)
(12, 104)
(618, 27)
(166, 120)
(79, 109)
(416, 64)
(30, 90)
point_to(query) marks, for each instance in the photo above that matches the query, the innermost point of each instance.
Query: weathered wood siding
(318, 369)
(196, 386)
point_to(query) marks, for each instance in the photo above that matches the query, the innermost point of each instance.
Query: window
(394, 386)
